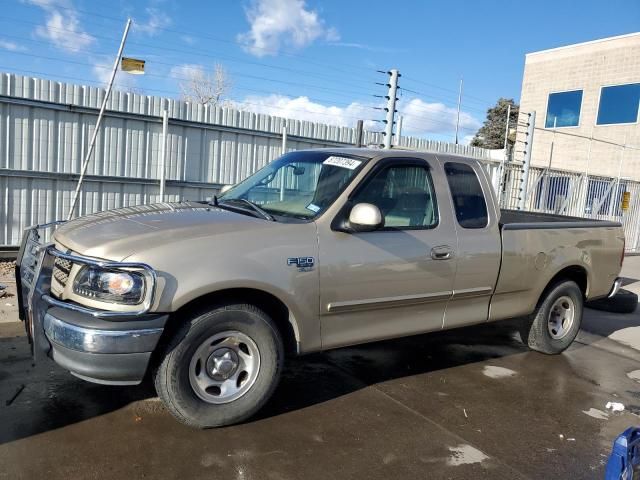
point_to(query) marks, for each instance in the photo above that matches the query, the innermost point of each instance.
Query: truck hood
(117, 234)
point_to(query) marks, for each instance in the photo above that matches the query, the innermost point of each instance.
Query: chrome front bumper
(97, 340)
(96, 345)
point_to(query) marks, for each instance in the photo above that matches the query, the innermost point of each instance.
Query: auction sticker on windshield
(343, 162)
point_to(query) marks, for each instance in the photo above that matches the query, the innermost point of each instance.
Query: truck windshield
(298, 184)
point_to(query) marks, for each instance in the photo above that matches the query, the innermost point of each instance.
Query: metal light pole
(92, 143)
(391, 107)
(458, 115)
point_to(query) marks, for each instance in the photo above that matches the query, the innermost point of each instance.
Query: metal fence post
(163, 153)
(391, 107)
(399, 131)
(528, 144)
(359, 133)
(284, 138)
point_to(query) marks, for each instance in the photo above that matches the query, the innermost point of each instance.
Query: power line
(422, 82)
(334, 91)
(237, 103)
(191, 52)
(191, 33)
(439, 100)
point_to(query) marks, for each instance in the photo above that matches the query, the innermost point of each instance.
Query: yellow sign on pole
(132, 65)
(626, 200)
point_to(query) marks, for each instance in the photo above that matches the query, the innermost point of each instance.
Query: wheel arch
(575, 273)
(277, 310)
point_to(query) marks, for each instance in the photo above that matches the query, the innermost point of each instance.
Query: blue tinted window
(619, 104)
(564, 109)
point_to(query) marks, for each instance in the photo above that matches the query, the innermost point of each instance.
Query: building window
(619, 104)
(563, 109)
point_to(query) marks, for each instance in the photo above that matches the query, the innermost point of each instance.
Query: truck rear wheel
(556, 321)
(220, 367)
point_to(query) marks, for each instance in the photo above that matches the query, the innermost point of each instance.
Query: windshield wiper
(263, 213)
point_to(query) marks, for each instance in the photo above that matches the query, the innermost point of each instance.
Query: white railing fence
(569, 193)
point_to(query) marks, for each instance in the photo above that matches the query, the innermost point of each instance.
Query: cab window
(405, 196)
(466, 193)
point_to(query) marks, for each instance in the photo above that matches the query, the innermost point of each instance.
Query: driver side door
(396, 280)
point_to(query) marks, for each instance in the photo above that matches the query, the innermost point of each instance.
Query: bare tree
(206, 88)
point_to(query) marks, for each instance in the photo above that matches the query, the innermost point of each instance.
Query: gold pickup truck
(317, 250)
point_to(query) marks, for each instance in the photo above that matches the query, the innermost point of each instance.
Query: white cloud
(186, 71)
(188, 39)
(302, 108)
(421, 119)
(102, 68)
(466, 140)
(11, 46)
(156, 20)
(62, 26)
(278, 23)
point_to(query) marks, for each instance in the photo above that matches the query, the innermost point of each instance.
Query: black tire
(536, 332)
(622, 302)
(171, 374)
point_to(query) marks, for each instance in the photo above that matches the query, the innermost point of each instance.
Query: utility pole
(528, 144)
(391, 107)
(504, 158)
(458, 115)
(103, 107)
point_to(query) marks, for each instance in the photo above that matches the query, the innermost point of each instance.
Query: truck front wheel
(556, 321)
(220, 367)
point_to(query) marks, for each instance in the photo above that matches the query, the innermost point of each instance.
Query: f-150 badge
(304, 264)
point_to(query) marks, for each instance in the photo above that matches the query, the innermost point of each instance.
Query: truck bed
(535, 246)
(521, 220)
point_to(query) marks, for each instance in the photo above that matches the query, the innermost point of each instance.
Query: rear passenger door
(479, 247)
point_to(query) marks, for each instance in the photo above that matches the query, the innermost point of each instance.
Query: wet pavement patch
(472, 403)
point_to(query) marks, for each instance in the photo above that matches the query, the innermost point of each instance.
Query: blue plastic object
(625, 456)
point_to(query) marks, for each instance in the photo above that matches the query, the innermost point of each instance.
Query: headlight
(114, 286)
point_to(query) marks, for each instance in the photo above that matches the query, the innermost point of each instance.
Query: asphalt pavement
(470, 403)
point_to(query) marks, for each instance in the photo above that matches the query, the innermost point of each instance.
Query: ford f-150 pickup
(317, 250)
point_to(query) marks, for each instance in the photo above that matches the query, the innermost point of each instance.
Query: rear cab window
(467, 195)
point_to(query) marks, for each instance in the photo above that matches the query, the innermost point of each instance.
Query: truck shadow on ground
(52, 398)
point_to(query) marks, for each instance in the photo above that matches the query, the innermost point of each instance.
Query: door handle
(441, 253)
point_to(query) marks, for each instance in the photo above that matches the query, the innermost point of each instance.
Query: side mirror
(226, 188)
(365, 217)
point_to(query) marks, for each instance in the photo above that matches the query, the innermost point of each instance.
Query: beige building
(588, 90)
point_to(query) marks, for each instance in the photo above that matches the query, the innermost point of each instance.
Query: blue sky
(311, 59)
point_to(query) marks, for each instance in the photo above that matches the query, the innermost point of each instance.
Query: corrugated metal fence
(45, 127)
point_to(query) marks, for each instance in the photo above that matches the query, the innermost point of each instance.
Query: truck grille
(61, 270)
